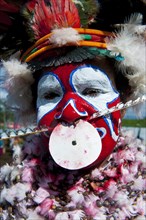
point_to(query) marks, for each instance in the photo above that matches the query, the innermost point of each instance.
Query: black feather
(116, 11)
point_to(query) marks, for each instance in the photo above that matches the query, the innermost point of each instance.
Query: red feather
(58, 14)
(31, 5)
(6, 9)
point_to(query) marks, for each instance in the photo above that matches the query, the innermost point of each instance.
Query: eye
(50, 95)
(91, 92)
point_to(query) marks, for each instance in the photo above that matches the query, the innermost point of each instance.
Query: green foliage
(134, 123)
(6, 117)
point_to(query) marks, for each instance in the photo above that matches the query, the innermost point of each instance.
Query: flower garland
(37, 189)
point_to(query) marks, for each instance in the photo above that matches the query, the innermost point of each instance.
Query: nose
(70, 113)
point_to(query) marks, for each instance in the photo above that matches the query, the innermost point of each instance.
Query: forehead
(64, 71)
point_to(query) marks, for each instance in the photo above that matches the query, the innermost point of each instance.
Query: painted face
(71, 94)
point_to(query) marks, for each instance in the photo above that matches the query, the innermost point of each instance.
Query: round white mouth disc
(75, 147)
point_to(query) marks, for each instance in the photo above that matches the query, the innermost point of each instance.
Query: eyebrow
(80, 80)
(52, 84)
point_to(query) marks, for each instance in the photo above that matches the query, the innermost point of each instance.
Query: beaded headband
(88, 38)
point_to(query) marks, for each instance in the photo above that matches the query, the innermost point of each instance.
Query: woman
(81, 168)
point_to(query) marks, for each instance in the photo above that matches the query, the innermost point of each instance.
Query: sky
(130, 114)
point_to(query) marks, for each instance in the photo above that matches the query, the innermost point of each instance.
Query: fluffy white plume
(64, 36)
(5, 171)
(33, 215)
(77, 214)
(135, 19)
(62, 215)
(17, 191)
(18, 83)
(131, 45)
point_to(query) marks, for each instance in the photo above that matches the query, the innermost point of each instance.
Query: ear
(123, 112)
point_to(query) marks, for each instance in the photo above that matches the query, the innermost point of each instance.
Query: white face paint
(94, 86)
(50, 92)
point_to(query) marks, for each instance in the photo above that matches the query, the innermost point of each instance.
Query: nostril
(70, 113)
(66, 123)
(57, 115)
(70, 123)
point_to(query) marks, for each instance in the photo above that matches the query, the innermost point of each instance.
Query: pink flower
(140, 218)
(124, 155)
(28, 175)
(121, 215)
(101, 214)
(45, 206)
(111, 172)
(32, 163)
(74, 215)
(62, 215)
(139, 183)
(129, 210)
(90, 205)
(40, 195)
(121, 141)
(126, 176)
(141, 206)
(17, 191)
(141, 157)
(129, 136)
(76, 194)
(22, 207)
(135, 143)
(21, 190)
(77, 214)
(28, 148)
(45, 180)
(32, 145)
(133, 168)
(96, 173)
(33, 215)
(121, 198)
(111, 188)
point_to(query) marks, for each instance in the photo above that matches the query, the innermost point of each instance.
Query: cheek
(48, 112)
(108, 128)
(48, 120)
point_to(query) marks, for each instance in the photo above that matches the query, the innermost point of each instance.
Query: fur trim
(18, 83)
(133, 48)
(64, 35)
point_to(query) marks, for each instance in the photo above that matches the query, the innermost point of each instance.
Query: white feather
(18, 84)
(32, 215)
(77, 214)
(62, 215)
(135, 19)
(5, 172)
(64, 36)
(133, 48)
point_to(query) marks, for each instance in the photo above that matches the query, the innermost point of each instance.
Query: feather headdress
(51, 33)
